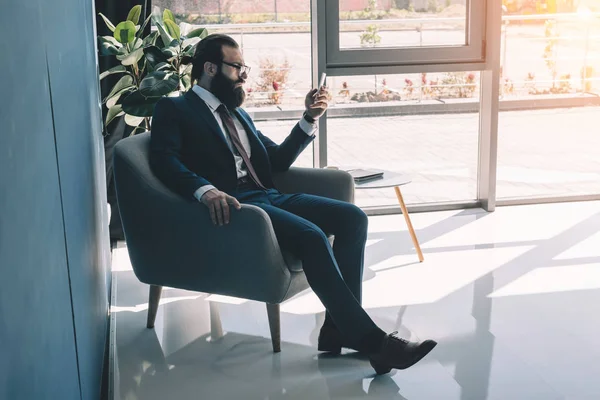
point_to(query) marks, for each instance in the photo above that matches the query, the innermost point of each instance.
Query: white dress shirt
(213, 103)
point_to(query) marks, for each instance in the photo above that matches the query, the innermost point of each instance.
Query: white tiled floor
(513, 297)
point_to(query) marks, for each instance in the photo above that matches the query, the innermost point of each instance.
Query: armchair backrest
(144, 201)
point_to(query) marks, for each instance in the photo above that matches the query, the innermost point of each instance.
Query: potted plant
(152, 67)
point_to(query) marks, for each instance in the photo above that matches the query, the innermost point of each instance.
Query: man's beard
(225, 90)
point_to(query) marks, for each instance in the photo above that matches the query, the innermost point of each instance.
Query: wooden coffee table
(394, 180)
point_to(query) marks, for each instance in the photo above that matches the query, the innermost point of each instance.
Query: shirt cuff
(307, 127)
(203, 189)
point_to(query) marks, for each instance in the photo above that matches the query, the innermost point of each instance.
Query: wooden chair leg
(216, 327)
(409, 224)
(275, 325)
(154, 299)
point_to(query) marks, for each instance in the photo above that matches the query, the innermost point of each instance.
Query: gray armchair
(172, 241)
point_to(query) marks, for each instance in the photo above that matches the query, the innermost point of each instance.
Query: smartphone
(322, 80)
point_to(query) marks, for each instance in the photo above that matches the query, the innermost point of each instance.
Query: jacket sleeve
(165, 151)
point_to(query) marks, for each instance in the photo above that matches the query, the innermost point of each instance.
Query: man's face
(228, 82)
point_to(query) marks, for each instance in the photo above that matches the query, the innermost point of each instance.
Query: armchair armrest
(334, 184)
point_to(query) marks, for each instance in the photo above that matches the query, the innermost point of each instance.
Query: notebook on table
(363, 175)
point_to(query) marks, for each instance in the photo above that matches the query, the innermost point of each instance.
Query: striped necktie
(235, 139)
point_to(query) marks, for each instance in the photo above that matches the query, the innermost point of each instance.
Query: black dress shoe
(399, 353)
(332, 341)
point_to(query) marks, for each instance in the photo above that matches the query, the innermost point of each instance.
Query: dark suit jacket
(188, 149)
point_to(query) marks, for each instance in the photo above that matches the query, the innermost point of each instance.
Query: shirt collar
(209, 98)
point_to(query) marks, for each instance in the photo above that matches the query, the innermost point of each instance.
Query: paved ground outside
(541, 153)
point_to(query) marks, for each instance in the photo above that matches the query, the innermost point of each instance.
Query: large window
(473, 99)
(404, 32)
(548, 143)
(399, 24)
(422, 125)
(549, 153)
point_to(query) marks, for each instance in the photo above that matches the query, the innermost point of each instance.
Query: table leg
(408, 223)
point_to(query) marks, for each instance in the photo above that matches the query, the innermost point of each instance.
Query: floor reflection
(494, 343)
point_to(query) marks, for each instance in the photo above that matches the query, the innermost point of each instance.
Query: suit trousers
(301, 223)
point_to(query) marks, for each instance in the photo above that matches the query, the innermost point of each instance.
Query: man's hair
(210, 49)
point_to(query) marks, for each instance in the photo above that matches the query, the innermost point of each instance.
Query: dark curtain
(116, 11)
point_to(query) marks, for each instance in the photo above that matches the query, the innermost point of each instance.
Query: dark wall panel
(77, 115)
(37, 347)
(54, 251)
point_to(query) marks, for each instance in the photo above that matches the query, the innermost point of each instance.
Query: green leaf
(159, 83)
(164, 35)
(133, 120)
(186, 60)
(119, 69)
(168, 15)
(199, 33)
(134, 14)
(110, 103)
(173, 29)
(125, 82)
(141, 30)
(137, 43)
(150, 40)
(109, 46)
(185, 28)
(189, 43)
(122, 54)
(170, 52)
(138, 105)
(113, 113)
(117, 99)
(187, 70)
(163, 66)
(107, 22)
(112, 40)
(133, 58)
(187, 81)
(154, 56)
(190, 50)
(112, 100)
(125, 32)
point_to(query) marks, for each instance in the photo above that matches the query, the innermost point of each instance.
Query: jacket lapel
(203, 116)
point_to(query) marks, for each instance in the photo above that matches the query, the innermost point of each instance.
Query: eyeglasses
(243, 69)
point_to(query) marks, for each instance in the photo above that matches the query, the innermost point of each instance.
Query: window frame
(472, 52)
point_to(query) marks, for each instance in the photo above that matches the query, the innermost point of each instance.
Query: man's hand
(316, 102)
(218, 204)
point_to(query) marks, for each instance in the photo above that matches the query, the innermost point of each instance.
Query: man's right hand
(218, 204)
